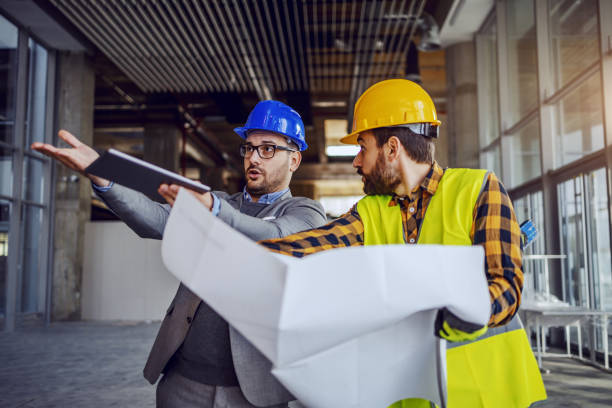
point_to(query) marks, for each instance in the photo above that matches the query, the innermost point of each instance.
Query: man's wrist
(99, 181)
(103, 188)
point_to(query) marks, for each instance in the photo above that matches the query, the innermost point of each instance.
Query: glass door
(575, 281)
(598, 230)
(585, 239)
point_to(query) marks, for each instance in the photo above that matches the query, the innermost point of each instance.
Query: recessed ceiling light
(329, 104)
(345, 151)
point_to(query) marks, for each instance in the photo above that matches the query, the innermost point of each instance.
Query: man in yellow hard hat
(412, 200)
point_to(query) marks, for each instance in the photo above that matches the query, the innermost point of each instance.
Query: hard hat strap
(423, 129)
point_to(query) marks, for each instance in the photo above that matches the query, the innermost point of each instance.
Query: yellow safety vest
(497, 370)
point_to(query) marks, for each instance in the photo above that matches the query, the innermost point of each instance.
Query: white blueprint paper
(350, 327)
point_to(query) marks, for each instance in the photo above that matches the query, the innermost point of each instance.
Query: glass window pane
(6, 171)
(524, 147)
(490, 160)
(8, 78)
(578, 122)
(536, 202)
(522, 59)
(5, 210)
(33, 179)
(486, 51)
(574, 38)
(571, 213)
(37, 91)
(599, 228)
(531, 207)
(521, 209)
(30, 267)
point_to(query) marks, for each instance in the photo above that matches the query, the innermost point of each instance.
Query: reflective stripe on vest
(497, 370)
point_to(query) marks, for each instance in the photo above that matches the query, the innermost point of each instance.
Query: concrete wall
(161, 144)
(72, 194)
(462, 105)
(123, 275)
(442, 143)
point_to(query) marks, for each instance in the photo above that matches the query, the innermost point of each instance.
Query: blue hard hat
(275, 116)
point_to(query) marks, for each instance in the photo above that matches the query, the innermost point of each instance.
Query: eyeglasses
(265, 151)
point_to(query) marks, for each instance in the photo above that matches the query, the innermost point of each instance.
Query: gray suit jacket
(147, 218)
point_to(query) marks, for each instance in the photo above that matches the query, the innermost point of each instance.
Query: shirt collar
(266, 198)
(432, 179)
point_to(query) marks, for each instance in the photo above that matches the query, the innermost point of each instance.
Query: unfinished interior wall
(124, 277)
(73, 192)
(462, 116)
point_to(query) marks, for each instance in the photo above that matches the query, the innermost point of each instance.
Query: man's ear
(393, 148)
(294, 161)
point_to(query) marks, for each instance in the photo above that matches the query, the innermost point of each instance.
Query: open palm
(77, 157)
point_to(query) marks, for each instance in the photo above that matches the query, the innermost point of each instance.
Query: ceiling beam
(326, 171)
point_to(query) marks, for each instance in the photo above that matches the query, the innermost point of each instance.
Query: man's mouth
(254, 173)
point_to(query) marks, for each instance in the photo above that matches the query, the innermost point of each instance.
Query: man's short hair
(419, 148)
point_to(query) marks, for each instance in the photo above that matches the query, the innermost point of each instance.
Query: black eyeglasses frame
(244, 146)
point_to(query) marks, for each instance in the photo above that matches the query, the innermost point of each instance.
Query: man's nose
(357, 161)
(255, 157)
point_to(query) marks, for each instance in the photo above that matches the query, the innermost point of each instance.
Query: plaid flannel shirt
(494, 227)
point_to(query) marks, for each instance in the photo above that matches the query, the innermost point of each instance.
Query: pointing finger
(45, 149)
(69, 138)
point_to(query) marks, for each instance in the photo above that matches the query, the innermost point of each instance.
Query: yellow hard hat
(393, 102)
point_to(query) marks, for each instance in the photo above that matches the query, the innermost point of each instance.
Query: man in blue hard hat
(205, 362)
(274, 138)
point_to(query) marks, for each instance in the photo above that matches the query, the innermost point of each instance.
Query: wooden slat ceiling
(266, 47)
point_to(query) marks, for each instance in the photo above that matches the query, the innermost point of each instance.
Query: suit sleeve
(144, 216)
(302, 214)
(148, 218)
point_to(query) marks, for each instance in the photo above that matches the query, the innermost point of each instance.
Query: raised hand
(169, 192)
(77, 157)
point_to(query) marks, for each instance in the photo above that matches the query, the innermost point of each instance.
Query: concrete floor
(572, 384)
(76, 364)
(84, 364)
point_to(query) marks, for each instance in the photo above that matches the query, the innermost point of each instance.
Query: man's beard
(269, 183)
(382, 180)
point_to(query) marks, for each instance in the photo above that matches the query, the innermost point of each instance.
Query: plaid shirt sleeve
(342, 232)
(496, 229)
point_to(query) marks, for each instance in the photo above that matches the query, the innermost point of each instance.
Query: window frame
(14, 276)
(551, 176)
